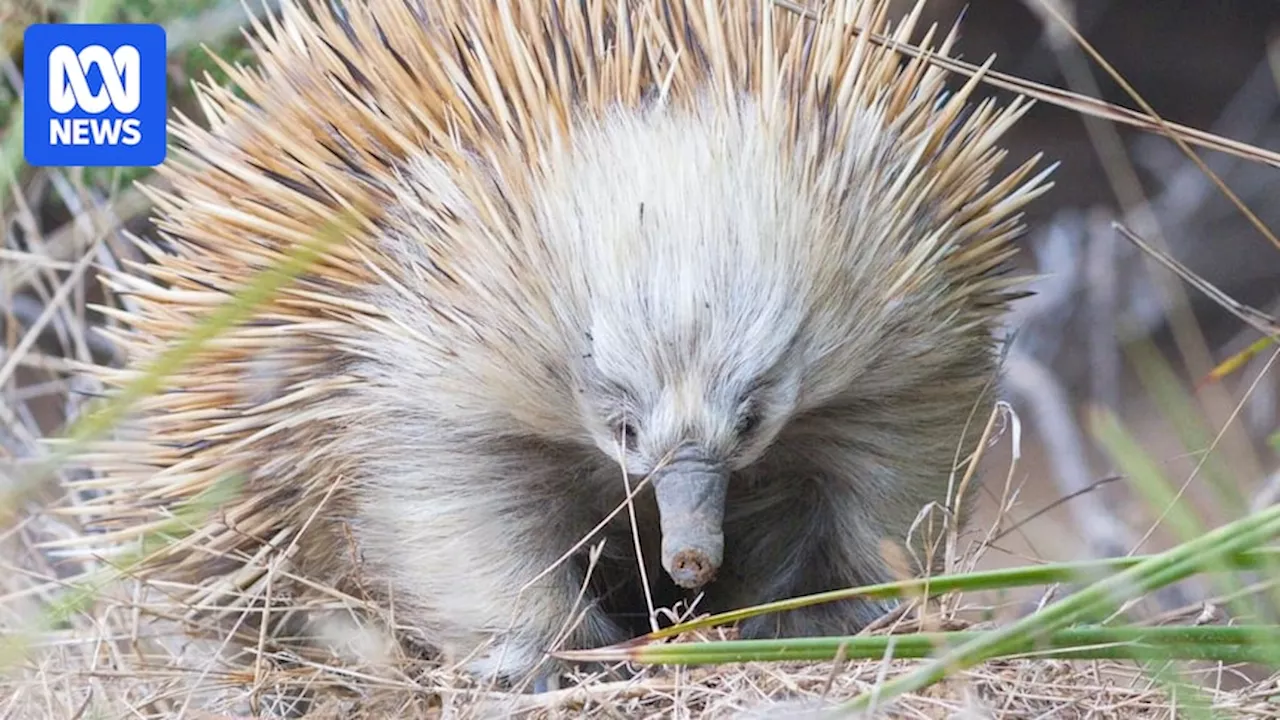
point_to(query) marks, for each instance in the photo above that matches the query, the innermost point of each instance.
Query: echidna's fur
(724, 225)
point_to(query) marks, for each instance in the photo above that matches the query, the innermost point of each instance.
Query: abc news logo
(69, 89)
(96, 95)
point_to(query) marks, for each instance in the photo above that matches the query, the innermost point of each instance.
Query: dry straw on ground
(107, 658)
(110, 661)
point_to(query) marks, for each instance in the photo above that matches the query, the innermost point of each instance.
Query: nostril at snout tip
(692, 569)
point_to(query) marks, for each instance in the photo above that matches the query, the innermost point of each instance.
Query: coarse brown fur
(583, 239)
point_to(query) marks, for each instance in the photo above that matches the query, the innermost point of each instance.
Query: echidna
(741, 255)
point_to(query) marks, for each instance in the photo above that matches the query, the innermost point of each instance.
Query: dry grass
(130, 653)
(134, 651)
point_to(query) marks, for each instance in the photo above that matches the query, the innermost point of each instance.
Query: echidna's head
(687, 388)
(700, 263)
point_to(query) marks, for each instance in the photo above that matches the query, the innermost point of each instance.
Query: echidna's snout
(691, 492)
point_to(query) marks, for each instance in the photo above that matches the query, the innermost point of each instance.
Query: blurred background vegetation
(1110, 330)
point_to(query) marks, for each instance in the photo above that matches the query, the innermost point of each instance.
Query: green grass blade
(1154, 572)
(1188, 421)
(239, 308)
(1066, 572)
(86, 589)
(1229, 644)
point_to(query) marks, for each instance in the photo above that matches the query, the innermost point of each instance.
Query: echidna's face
(687, 413)
(694, 292)
(692, 295)
(687, 423)
(647, 414)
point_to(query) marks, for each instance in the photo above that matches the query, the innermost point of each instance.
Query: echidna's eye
(626, 433)
(748, 419)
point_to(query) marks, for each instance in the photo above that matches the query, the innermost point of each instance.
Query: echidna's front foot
(523, 670)
(558, 675)
(546, 682)
(506, 662)
(523, 660)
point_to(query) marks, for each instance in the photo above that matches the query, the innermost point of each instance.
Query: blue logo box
(94, 95)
